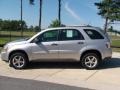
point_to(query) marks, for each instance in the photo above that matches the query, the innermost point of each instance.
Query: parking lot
(106, 77)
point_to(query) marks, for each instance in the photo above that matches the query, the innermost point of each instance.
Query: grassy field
(116, 43)
(116, 49)
(5, 36)
(113, 37)
(0, 48)
(17, 33)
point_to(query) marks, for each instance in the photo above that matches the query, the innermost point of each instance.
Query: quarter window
(93, 34)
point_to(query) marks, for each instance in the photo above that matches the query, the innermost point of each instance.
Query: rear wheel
(90, 61)
(18, 60)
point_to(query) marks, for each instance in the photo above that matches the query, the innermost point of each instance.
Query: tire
(90, 61)
(18, 61)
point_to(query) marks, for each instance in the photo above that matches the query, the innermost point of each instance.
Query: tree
(56, 23)
(31, 2)
(0, 24)
(110, 10)
(31, 28)
(36, 28)
(40, 11)
(59, 12)
(21, 17)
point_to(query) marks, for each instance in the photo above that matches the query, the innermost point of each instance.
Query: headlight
(5, 48)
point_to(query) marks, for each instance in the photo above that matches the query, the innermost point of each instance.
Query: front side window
(93, 34)
(71, 34)
(48, 36)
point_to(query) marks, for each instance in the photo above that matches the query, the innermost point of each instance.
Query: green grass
(17, 33)
(5, 36)
(116, 43)
(0, 49)
(5, 40)
(113, 37)
(116, 49)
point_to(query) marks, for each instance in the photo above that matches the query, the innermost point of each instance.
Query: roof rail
(80, 26)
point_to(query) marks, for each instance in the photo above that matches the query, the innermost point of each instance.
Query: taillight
(108, 45)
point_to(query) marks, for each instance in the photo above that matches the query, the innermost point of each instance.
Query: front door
(46, 47)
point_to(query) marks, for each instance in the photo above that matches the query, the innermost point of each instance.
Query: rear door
(70, 43)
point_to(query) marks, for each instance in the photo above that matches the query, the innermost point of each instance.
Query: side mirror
(37, 41)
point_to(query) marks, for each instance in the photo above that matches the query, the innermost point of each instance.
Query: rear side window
(93, 34)
(71, 34)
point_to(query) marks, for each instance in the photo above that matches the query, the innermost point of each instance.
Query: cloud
(73, 13)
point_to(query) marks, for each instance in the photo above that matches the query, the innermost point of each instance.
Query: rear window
(93, 34)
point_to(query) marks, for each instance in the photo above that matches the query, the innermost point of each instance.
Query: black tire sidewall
(90, 54)
(18, 54)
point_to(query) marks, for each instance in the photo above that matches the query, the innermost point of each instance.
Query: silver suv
(84, 44)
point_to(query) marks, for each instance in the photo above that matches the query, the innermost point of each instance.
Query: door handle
(80, 42)
(54, 44)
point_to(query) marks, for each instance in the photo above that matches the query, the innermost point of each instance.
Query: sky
(74, 12)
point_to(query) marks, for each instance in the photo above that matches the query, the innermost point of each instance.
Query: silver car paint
(66, 50)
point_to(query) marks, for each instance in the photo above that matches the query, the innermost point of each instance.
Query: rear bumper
(107, 54)
(107, 58)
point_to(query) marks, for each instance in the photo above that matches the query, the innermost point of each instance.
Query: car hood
(17, 42)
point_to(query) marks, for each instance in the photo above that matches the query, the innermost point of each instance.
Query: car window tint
(93, 34)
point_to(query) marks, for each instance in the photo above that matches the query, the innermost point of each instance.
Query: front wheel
(18, 60)
(90, 61)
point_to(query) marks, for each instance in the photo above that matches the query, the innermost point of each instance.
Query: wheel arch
(18, 51)
(91, 51)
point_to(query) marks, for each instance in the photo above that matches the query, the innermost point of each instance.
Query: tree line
(15, 25)
(12, 25)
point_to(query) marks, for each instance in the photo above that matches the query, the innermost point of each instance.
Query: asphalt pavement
(7, 83)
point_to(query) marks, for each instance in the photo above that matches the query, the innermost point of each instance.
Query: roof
(74, 26)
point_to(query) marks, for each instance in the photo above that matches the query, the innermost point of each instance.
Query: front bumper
(4, 56)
